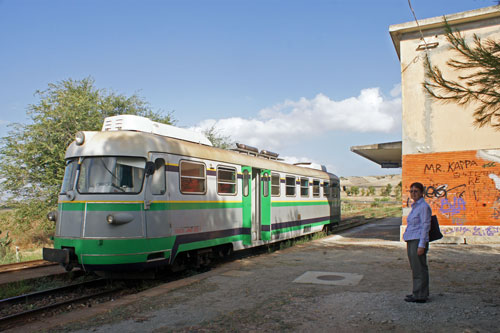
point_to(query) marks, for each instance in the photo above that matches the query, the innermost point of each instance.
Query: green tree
(478, 68)
(398, 190)
(371, 190)
(32, 156)
(387, 190)
(217, 139)
(354, 190)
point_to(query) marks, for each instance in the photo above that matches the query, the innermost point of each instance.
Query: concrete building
(458, 163)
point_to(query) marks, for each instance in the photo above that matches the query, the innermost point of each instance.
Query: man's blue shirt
(418, 223)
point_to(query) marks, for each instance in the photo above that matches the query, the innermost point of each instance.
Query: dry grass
(375, 209)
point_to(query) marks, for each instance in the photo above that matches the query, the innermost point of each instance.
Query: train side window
(315, 187)
(304, 187)
(246, 183)
(290, 186)
(275, 185)
(265, 185)
(335, 190)
(158, 183)
(326, 189)
(193, 177)
(226, 180)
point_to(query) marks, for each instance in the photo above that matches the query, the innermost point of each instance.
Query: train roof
(139, 144)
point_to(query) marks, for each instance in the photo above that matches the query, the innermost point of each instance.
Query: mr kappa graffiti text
(451, 167)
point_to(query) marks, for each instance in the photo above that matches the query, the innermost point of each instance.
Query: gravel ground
(258, 294)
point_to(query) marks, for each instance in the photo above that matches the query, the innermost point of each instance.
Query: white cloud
(315, 164)
(293, 121)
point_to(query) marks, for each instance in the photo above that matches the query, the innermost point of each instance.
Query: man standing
(416, 237)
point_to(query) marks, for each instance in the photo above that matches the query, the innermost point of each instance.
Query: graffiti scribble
(441, 191)
(454, 208)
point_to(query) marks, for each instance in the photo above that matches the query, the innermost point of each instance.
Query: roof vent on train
(246, 149)
(146, 125)
(269, 154)
(312, 165)
(254, 151)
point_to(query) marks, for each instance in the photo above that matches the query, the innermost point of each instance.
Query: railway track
(24, 265)
(13, 310)
(23, 308)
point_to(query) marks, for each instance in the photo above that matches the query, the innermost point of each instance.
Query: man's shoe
(412, 299)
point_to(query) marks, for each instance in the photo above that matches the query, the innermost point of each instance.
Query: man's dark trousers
(419, 269)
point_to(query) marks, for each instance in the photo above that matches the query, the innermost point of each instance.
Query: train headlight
(118, 218)
(110, 219)
(80, 138)
(52, 216)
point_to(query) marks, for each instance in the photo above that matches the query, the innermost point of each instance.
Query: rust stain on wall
(462, 188)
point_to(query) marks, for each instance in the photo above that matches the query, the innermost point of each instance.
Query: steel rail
(31, 296)
(27, 297)
(17, 266)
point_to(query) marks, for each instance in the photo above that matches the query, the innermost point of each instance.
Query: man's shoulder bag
(434, 232)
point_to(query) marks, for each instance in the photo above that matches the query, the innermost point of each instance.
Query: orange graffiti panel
(462, 188)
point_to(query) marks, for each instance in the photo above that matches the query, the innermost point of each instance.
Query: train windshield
(69, 176)
(111, 175)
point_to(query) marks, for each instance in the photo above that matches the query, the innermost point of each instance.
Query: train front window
(69, 176)
(111, 175)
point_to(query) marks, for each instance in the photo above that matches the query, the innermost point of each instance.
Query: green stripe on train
(78, 206)
(194, 205)
(299, 227)
(155, 206)
(298, 203)
(209, 243)
(116, 251)
(101, 206)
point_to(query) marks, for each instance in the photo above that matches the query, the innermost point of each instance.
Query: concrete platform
(30, 273)
(262, 293)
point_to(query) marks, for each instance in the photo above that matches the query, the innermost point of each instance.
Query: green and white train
(140, 194)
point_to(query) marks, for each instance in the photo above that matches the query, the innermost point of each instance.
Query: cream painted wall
(428, 124)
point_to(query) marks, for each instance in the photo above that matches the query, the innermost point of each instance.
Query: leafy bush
(5, 250)
(32, 157)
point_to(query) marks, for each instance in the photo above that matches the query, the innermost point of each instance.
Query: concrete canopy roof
(397, 30)
(388, 154)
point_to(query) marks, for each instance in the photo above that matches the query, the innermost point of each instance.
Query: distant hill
(378, 182)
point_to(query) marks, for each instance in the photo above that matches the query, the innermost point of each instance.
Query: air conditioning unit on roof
(146, 125)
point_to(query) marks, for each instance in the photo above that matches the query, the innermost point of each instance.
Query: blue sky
(307, 79)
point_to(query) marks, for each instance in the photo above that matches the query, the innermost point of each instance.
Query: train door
(265, 204)
(256, 204)
(246, 199)
(155, 199)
